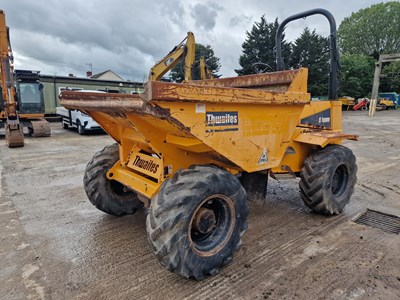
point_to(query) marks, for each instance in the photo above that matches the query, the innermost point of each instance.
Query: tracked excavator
(185, 52)
(21, 100)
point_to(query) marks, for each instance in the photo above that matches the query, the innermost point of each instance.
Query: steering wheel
(260, 67)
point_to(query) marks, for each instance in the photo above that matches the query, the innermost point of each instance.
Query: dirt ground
(56, 245)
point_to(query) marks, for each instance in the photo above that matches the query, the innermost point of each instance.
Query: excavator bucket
(14, 134)
(39, 128)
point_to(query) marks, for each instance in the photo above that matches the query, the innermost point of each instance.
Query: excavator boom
(13, 126)
(205, 72)
(187, 51)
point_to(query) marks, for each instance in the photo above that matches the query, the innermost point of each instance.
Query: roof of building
(108, 74)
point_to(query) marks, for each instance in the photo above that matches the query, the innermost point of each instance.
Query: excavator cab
(30, 100)
(29, 92)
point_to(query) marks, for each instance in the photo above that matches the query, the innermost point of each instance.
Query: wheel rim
(212, 225)
(340, 180)
(118, 188)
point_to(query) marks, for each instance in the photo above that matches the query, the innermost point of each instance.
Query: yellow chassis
(387, 103)
(254, 123)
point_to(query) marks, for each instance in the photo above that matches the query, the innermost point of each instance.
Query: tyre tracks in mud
(269, 244)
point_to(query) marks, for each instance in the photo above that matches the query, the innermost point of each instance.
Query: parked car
(77, 119)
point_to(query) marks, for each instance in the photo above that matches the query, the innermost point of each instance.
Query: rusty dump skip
(285, 87)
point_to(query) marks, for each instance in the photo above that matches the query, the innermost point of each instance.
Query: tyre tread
(167, 217)
(315, 189)
(97, 185)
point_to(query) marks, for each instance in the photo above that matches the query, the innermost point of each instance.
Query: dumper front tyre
(196, 221)
(327, 179)
(107, 195)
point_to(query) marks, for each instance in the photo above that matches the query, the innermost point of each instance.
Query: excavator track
(39, 128)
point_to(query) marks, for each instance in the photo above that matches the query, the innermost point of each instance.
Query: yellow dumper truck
(193, 153)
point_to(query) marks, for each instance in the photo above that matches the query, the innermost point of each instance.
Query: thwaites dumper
(193, 152)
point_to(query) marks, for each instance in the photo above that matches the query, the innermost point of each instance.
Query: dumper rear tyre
(328, 178)
(196, 221)
(107, 195)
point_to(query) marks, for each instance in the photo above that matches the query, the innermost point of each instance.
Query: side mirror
(40, 87)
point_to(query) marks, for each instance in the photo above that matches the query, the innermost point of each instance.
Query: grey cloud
(205, 15)
(175, 10)
(240, 20)
(129, 36)
(110, 26)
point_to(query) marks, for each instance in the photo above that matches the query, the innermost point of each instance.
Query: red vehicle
(363, 104)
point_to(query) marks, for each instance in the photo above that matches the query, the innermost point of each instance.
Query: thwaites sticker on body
(219, 121)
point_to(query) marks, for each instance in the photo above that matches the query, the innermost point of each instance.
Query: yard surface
(56, 245)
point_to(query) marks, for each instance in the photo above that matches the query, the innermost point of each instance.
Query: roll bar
(334, 54)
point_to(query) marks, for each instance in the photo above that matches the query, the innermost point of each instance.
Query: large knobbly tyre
(196, 221)
(107, 195)
(327, 179)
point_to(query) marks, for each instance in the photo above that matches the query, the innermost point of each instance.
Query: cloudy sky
(129, 36)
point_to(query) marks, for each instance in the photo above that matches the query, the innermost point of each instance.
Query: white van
(77, 119)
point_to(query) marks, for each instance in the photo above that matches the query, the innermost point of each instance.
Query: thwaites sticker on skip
(219, 121)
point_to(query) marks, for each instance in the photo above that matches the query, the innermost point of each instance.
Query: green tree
(259, 47)
(371, 31)
(390, 81)
(311, 50)
(356, 75)
(212, 62)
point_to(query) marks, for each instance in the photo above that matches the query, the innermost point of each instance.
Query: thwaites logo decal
(146, 164)
(218, 121)
(321, 119)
